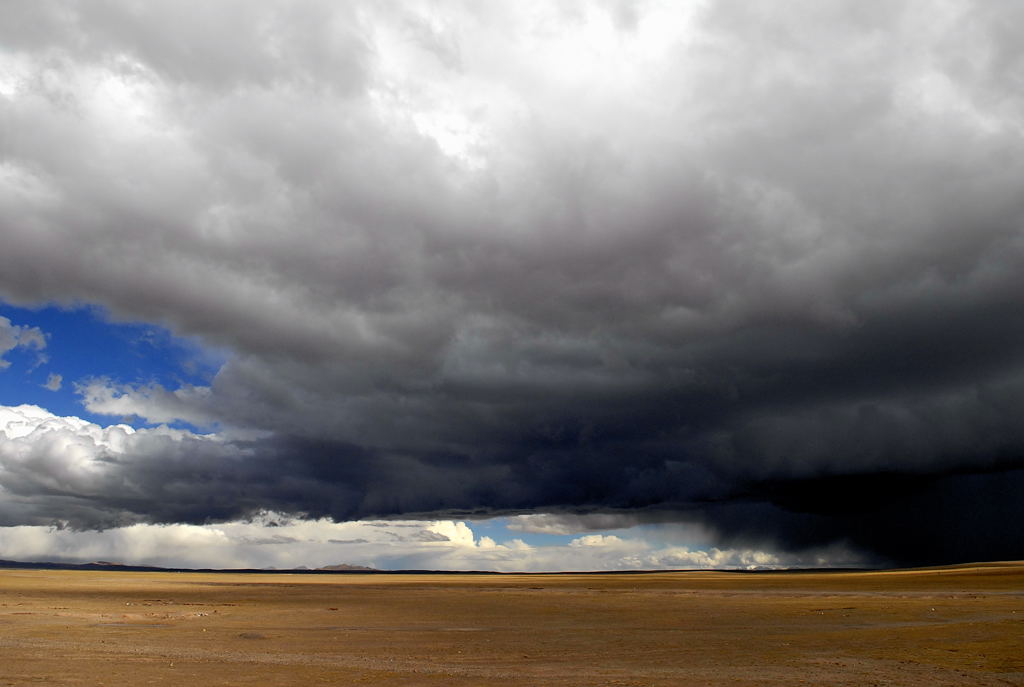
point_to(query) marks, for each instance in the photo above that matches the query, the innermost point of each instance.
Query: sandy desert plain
(960, 625)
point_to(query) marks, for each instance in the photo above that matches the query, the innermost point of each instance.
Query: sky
(512, 286)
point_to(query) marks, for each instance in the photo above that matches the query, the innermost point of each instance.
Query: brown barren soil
(950, 626)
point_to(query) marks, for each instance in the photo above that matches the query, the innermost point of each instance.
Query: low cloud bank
(272, 540)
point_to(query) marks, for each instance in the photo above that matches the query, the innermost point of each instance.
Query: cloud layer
(753, 268)
(271, 540)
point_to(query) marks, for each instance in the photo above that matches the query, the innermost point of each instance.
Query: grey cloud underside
(775, 268)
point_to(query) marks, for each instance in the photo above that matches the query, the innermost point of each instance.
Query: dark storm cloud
(735, 263)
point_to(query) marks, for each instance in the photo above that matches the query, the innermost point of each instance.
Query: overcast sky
(636, 270)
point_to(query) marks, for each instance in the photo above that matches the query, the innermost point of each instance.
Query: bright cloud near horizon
(536, 286)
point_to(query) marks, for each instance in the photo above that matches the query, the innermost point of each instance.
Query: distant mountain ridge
(341, 567)
(346, 568)
(115, 566)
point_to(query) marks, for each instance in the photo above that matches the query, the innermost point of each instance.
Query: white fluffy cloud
(152, 402)
(14, 336)
(101, 474)
(596, 540)
(276, 541)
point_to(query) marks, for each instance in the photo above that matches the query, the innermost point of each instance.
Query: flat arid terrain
(961, 625)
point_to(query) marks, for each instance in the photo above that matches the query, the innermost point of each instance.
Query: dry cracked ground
(946, 626)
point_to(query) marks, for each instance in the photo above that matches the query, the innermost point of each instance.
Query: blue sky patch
(84, 343)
